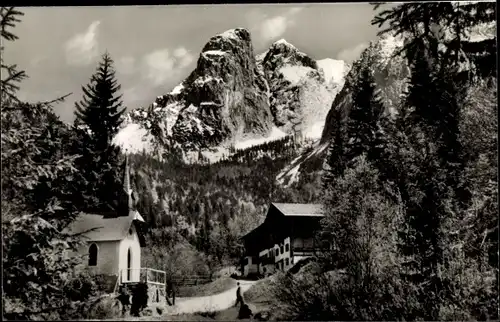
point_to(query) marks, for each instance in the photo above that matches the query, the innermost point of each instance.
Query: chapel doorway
(129, 264)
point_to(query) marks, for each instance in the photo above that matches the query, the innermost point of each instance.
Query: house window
(130, 231)
(93, 255)
(287, 247)
(287, 262)
(281, 249)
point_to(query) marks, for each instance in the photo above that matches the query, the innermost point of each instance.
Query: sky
(155, 47)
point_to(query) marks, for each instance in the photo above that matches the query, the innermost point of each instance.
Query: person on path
(239, 298)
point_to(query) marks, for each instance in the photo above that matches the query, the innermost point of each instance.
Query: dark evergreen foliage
(362, 122)
(428, 23)
(98, 117)
(222, 201)
(11, 76)
(101, 109)
(417, 175)
(37, 176)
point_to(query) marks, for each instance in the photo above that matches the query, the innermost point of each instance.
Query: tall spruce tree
(357, 135)
(98, 117)
(431, 189)
(101, 109)
(362, 125)
(335, 156)
(359, 132)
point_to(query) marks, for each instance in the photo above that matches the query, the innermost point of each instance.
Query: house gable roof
(96, 227)
(299, 209)
(288, 210)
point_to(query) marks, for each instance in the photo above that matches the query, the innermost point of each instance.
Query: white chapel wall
(130, 242)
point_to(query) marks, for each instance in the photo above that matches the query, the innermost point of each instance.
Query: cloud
(183, 56)
(126, 65)
(180, 51)
(350, 54)
(271, 28)
(160, 65)
(82, 48)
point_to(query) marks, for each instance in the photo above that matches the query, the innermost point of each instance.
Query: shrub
(333, 296)
(103, 307)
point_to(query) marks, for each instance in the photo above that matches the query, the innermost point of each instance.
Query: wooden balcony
(146, 275)
(305, 251)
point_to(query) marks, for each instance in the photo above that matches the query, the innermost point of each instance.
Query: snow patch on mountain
(177, 90)
(387, 45)
(334, 70)
(133, 138)
(200, 81)
(275, 135)
(231, 34)
(481, 32)
(315, 130)
(214, 52)
(290, 174)
(215, 154)
(294, 74)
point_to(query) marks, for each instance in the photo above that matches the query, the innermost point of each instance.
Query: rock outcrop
(233, 96)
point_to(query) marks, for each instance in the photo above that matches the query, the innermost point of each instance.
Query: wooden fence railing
(148, 275)
(192, 280)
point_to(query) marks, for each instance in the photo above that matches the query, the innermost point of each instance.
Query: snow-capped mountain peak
(234, 97)
(283, 41)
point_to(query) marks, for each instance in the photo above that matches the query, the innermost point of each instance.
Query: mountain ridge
(234, 95)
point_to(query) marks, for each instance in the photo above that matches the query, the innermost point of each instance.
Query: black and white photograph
(330, 161)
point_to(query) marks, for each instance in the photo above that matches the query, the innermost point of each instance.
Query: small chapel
(114, 241)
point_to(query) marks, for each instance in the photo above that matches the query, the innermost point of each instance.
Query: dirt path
(217, 302)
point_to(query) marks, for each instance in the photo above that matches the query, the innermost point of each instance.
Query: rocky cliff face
(224, 98)
(300, 94)
(225, 95)
(234, 96)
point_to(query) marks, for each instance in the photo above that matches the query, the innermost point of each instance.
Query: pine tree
(435, 200)
(37, 171)
(100, 110)
(98, 117)
(362, 123)
(335, 156)
(357, 133)
(11, 77)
